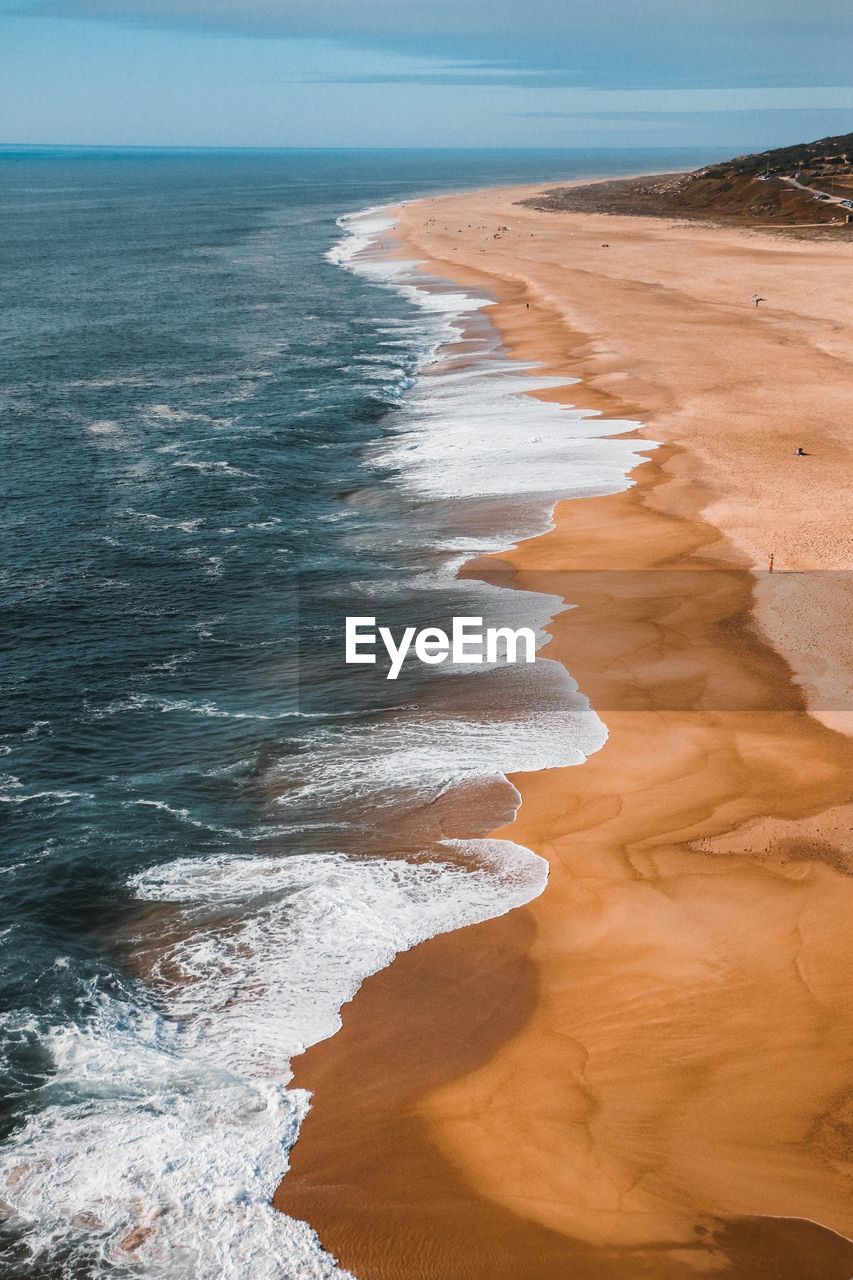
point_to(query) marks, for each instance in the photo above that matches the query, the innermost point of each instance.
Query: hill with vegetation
(796, 186)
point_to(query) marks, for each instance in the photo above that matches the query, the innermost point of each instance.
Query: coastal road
(814, 192)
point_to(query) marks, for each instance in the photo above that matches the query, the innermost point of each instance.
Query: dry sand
(648, 1072)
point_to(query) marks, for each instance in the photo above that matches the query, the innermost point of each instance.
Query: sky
(721, 74)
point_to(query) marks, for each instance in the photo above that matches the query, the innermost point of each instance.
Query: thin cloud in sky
(672, 117)
(597, 42)
(721, 73)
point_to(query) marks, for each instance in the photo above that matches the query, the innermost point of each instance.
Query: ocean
(224, 425)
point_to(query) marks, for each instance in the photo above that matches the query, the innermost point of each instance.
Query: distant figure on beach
(801, 453)
(770, 562)
(757, 298)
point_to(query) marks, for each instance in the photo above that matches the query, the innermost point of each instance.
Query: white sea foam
(219, 467)
(533, 718)
(58, 797)
(477, 431)
(362, 230)
(171, 1172)
(474, 433)
(185, 526)
(166, 413)
(139, 701)
(184, 815)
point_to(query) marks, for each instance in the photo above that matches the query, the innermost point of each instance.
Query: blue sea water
(217, 431)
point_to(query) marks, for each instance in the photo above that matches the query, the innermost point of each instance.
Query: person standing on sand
(757, 298)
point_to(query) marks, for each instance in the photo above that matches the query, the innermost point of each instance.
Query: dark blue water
(189, 393)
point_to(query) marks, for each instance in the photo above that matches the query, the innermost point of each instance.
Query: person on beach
(757, 299)
(801, 453)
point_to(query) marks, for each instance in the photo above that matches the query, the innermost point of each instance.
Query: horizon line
(188, 147)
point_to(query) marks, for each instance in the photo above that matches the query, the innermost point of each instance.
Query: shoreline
(514, 1123)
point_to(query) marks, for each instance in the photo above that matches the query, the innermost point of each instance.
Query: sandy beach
(648, 1071)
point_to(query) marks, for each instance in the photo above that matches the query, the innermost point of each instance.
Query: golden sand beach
(646, 1073)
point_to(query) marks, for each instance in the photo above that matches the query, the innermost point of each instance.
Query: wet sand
(648, 1071)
